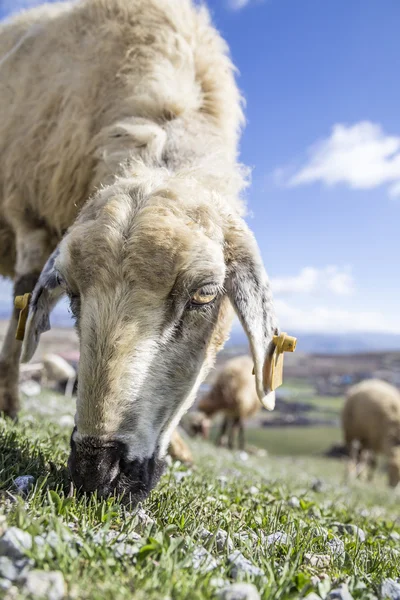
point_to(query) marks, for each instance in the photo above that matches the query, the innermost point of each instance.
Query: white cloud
(325, 319)
(313, 312)
(336, 280)
(322, 319)
(237, 4)
(361, 156)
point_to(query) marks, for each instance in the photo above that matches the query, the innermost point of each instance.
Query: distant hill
(321, 343)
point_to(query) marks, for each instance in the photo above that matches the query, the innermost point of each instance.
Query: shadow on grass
(21, 456)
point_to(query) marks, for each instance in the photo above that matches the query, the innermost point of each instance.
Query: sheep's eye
(202, 297)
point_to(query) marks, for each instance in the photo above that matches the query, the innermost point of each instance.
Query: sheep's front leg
(242, 443)
(33, 249)
(372, 464)
(222, 432)
(231, 434)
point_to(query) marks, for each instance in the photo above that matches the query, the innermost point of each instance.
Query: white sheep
(120, 187)
(371, 426)
(57, 370)
(233, 394)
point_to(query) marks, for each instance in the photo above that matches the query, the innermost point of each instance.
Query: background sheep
(371, 425)
(232, 394)
(57, 370)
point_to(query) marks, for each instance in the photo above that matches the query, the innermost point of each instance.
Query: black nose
(101, 466)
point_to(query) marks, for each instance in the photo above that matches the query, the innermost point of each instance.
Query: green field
(106, 551)
(294, 441)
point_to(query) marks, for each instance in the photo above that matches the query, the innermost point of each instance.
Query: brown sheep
(371, 426)
(233, 394)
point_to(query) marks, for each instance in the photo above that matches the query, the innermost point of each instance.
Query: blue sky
(321, 83)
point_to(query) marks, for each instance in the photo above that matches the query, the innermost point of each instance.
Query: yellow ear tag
(273, 366)
(22, 304)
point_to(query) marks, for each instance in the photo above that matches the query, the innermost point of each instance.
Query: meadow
(289, 525)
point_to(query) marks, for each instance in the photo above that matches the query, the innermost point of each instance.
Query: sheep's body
(233, 394)
(371, 423)
(85, 85)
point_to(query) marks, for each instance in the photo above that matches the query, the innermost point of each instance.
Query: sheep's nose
(95, 465)
(101, 466)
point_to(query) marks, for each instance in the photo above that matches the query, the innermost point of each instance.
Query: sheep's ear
(45, 296)
(249, 291)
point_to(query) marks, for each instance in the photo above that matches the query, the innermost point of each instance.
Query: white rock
(254, 490)
(278, 538)
(44, 584)
(336, 546)
(203, 560)
(15, 542)
(243, 455)
(24, 483)
(294, 502)
(179, 475)
(204, 533)
(8, 569)
(319, 561)
(66, 421)
(5, 584)
(101, 537)
(394, 536)
(317, 485)
(240, 565)
(144, 518)
(30, 388)
(222, 539)
(246, 536)
(218, 582)
(123, 550)
(351, 530)
(340, 593)
(390, 589)
(239, 591)
(261, 452)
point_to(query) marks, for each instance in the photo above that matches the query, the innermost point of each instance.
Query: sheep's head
(196, 423)
(151, 273)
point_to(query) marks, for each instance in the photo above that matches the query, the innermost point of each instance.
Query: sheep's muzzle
(102, 467)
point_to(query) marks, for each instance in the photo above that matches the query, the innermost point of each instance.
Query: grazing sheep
(120, 188)
(57, 369)
(233, 394)
(371, 425)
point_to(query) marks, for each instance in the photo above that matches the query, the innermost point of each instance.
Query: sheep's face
(147, 282)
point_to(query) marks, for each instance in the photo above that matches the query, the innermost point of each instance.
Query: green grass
(216, 493)
(296, 441)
